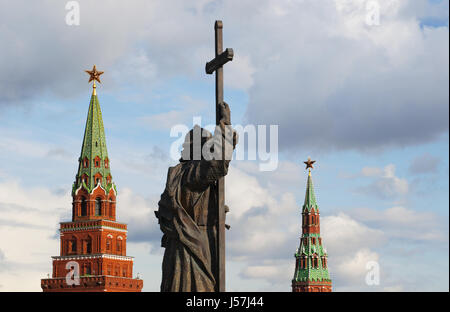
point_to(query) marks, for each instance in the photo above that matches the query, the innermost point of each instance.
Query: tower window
(83, 207)
(108, 244)
(98, 205)
(97, 161)
(87, 246)
(73, 245)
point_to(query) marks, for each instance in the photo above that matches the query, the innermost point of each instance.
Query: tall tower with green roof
(94, 174)
(93, 251)
(311, 265)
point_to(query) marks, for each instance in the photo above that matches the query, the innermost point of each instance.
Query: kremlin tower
(311, 265)
(93, 245)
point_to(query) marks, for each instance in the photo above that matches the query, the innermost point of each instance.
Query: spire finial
(309, 165)
(93, 76)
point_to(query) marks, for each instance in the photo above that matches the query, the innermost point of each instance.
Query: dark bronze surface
(219, 61)
(191, 211)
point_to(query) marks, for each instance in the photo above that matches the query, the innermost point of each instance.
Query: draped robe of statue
(188, 218)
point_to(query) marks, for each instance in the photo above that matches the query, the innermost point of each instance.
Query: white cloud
(386, 184)
(342, 234)
(326, 72)
(351, 268)
(276, 273)
(185, 111)
(138, 212)
(29, 216)
(336, 75)
(405, 224)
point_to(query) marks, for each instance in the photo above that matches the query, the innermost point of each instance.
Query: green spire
(94, 161)
(310, 197)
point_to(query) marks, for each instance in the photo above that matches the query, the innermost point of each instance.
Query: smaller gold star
(94, 74)
(309, 163)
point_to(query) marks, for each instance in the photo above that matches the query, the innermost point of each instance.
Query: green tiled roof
(309, 273)
(94, 144)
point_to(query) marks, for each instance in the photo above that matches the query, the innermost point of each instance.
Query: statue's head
(193, 143)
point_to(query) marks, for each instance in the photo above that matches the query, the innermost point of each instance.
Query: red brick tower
(93, 246)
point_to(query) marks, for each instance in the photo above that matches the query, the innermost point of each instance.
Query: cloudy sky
(369, 101)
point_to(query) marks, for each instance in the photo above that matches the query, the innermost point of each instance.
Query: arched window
(119, 246)
(97, 161)
(73, 245)
(108, 244)
(312, 219)
(83, 207)
(98, 206)
(87, 248)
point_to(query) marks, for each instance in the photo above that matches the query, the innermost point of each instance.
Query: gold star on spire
(309, 164)
(93, 76)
